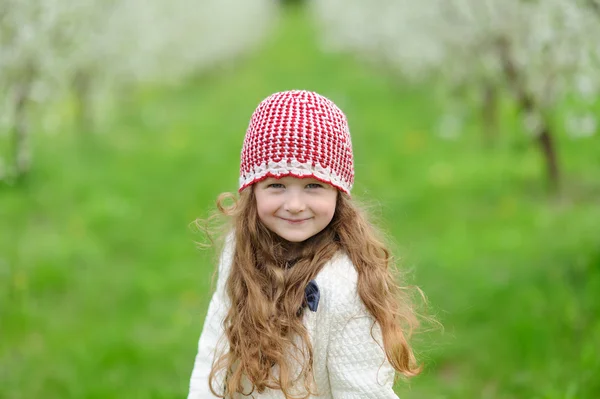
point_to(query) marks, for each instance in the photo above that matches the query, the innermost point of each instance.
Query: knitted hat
(298, 133)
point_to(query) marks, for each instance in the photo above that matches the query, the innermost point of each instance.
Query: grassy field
(103, 292)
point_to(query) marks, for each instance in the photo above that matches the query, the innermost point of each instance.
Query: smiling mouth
(295, 221)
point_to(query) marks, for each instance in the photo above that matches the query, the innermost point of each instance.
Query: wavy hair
(263, 327)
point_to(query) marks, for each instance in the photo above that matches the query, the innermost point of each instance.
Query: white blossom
(581, 125)
(552, 45)
(122, 42)
(53, 50)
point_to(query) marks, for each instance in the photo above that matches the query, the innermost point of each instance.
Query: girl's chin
(294, 236)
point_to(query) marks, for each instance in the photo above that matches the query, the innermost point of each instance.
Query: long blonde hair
(262, 325)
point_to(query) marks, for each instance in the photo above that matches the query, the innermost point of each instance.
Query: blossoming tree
(90, 49)
(544, 53)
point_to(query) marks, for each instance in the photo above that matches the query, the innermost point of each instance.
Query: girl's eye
(276, 185)
(314, 185)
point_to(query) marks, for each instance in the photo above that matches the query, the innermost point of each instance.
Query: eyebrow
(273, 180)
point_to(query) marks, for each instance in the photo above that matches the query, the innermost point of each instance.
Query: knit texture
(348, 362)
(298, 133)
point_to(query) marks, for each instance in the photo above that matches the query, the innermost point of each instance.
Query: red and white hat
(298, 133)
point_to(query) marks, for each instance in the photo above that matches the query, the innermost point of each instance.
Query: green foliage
(103, 293)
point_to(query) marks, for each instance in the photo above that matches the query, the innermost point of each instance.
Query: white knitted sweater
(348, 362)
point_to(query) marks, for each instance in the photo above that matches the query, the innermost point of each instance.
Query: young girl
(306, 304)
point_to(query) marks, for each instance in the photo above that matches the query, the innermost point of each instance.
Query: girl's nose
(294, 203)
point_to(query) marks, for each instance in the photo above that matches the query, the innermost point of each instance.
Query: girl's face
(295, 209)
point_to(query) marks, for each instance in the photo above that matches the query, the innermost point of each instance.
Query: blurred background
(474, 126)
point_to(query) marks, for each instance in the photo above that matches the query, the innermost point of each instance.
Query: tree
(25, 52)
(88, 49)
(538, 51)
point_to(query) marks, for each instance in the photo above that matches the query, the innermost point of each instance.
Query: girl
(306, 304)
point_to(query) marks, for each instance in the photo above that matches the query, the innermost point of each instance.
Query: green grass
(103, 293)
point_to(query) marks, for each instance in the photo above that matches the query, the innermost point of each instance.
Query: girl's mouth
(295, 221)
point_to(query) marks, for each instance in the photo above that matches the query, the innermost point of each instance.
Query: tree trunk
(547, 145)
(490, 113)
(20, 138)
(82, 85)
(527, 105)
